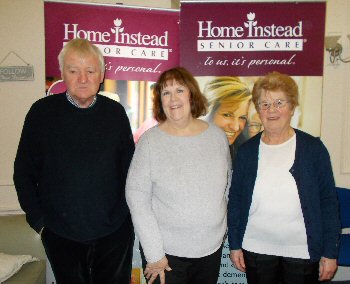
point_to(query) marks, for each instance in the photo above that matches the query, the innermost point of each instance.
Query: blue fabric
(313, 175)
(344, 204)
(344, 252)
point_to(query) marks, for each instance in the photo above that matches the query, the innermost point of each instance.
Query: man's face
(82, 76)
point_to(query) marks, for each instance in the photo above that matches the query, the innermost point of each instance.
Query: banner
(233, 44)
(137, 43)
(251, 39)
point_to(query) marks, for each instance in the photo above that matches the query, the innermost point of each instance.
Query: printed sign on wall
(134, 43)
(251, 39)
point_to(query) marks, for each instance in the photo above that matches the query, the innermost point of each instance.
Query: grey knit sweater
(176, 191)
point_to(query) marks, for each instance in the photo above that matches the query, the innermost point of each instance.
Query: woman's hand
(157, 268)
(327, 268)
(237, 259)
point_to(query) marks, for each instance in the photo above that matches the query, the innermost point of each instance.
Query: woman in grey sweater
(176, 186)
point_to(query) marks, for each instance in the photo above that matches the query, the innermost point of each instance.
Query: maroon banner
(251, 39)
(137, 43)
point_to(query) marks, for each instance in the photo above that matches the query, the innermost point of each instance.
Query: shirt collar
(73, 102)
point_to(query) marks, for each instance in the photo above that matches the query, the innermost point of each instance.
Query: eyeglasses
(276, 103)
(255, 126)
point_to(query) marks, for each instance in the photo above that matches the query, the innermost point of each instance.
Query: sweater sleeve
(329, 204)
(26, 171)
(229, 168)
(234, 204)
(127, 145)
(139, 199)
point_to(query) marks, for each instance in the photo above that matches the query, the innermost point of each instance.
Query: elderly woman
(283, 222)
(229, 100)
(176, 186)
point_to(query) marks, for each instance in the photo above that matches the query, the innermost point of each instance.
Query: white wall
(336, 94)
(335, 125)
(21, 31)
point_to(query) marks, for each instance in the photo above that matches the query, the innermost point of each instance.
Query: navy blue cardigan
(313, 175)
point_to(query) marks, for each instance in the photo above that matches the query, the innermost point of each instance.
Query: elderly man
(70, 172)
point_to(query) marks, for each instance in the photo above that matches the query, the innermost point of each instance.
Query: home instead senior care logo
(119, 43)
(249, 38)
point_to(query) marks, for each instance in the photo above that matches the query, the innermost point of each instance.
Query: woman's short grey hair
(83, 47)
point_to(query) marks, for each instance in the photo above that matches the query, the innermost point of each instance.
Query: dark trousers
(270, 269)
(203, 270)
(105, 260)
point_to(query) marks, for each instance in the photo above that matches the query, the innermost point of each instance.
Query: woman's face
(176, 102)
(277, 117)
(232, 118)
